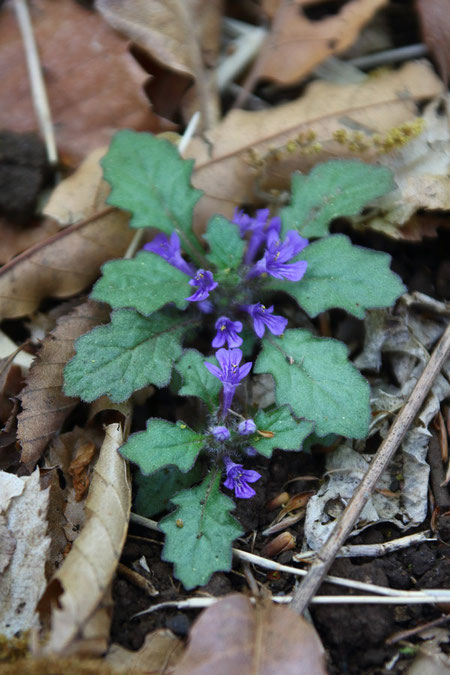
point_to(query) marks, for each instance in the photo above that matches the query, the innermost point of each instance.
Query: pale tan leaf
(159, 654)
(23, 515)
(80, 195)
(232, 636)
(239, 152)
(295, 45)
(17, 239)
(44, 405)
(79, 586)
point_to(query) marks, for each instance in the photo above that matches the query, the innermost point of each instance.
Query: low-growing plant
(228, 288)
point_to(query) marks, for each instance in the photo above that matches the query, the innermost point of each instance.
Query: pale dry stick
(202, 603)
(265, 563)
(344, 526)
(389, 56)
(184, 142)
(246, 46)
(38, 90)
(373, 550)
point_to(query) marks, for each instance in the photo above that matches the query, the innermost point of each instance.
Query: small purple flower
(247, 427)
(238, 479)
(263, 316)
(229, 373)
(205, 281)
(170, 250)
(277, 255)
(227, 330)
(251, 451)
(220, 433)
(258, 227)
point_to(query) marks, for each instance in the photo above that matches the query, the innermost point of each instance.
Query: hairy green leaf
(145, 283)
(197, 380)
(345, 276)
(149, 179)
(154, 492)
(288, 433)
(226, 246)
(340, 187)
(199, 533)
(315, 378)
(125, 355)
(162, 444)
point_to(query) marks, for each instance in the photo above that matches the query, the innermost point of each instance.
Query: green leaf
(315, 378)
(145, 283)
(333, 189)
(154, 492)
(150, 179)
(288, 433)
(200, 532)
(162, 444)
(226, 246)
(197, 380)
(125, 355)
(342, 275)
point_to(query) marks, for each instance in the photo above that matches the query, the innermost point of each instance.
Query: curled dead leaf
(79, 586)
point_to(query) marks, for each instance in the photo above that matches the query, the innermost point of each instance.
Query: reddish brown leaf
(232, 636)
(16, 239)
(44, 405)
(435, 19)
(94, 84)
(295, 45)
(79, 469)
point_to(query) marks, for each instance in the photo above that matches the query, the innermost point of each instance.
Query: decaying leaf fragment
(24, 547)
(233, 636)
(44, 405)
(79, 586)
(404, 340)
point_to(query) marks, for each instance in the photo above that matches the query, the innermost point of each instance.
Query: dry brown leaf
(44, 405)
(23, 507)
(17, 239)
(63, 265)
(435, 19)
(233, 636)
(79, 586)
(159, 654)
(94, 84)
(295, 45)
(226, 168)
(169, 35)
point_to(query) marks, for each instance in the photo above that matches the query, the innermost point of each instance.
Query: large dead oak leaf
(94, 84)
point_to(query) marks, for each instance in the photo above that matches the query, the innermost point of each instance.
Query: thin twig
(389, 56)
(350, 515)
(201, 603)
(373, 550)
(38, 90)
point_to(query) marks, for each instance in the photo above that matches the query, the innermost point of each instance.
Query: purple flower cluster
(277, 261)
